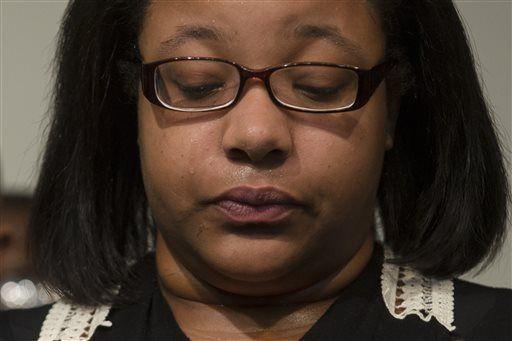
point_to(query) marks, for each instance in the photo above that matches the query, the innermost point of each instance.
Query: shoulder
(482, 312)
(62, 320)
(467, 311)
(22, 324)
(59, 320)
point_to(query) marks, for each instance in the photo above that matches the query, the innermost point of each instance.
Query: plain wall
(28, 30)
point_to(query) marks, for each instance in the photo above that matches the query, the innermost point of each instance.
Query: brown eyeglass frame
(368, 81)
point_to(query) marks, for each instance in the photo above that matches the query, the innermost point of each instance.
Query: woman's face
(331, 163)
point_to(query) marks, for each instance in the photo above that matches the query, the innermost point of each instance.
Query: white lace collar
(407, 292)
(404, 290)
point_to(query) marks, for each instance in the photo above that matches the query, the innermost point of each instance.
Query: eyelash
(191, 92)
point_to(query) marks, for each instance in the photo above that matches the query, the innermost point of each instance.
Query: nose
(257, 131)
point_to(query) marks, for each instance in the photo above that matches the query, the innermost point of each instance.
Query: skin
(262, 282)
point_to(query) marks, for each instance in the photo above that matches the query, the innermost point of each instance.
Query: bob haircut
(443, 192)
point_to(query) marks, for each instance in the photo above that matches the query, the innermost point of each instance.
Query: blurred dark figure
(15, 210)
(18, 288)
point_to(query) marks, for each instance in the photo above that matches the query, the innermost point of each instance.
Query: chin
(252, 260)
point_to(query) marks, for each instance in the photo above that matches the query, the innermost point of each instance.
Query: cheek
(170, 154)
(344, 161)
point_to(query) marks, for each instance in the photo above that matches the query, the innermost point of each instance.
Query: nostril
(271, 159)
(237, 154)
(276, 154)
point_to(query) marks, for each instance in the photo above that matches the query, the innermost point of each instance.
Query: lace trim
(406, 292)
(66, 322)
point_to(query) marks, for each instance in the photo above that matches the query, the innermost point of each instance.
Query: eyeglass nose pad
(262, 74)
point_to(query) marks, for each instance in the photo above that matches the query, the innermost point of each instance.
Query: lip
(256, 205)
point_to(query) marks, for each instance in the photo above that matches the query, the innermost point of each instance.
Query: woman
(217, 170)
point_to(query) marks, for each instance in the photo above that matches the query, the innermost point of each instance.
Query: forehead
(257, 30)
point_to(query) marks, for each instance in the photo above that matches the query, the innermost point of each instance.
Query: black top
(359, 313)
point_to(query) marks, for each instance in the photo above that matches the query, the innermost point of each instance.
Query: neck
(201, 309)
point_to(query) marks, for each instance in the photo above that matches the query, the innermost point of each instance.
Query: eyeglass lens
(202, 84)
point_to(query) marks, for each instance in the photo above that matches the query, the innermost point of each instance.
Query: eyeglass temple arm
(148, 86)
(369, 80)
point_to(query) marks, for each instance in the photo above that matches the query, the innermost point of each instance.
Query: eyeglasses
(196, 84)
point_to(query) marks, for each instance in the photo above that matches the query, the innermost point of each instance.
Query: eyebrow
(186, 33)
(330, 33)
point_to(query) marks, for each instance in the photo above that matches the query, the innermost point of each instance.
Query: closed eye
(200, 91)
(318, 93)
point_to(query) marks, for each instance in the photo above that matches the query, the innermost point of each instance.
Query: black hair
(443, 192)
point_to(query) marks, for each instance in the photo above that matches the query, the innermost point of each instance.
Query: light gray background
(28, 30)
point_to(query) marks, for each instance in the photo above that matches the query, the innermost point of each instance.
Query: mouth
(256, 205)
